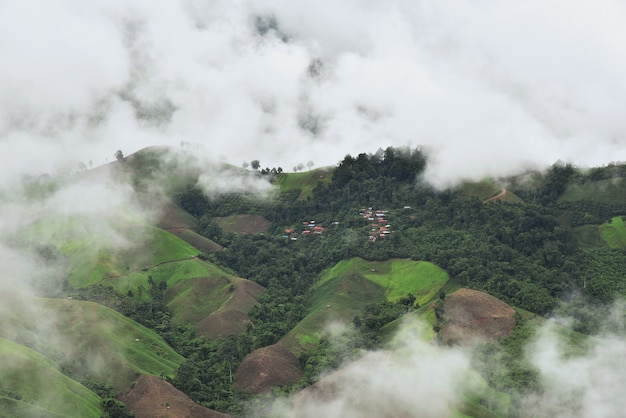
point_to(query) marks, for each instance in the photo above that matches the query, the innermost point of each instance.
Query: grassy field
(336, 301)
(614, 232)
(167, 247)
(159, 255)
(192, 300)
(347, 288)
(86, 339)
(482, 190)
(401, 277)
(31, 385)
(304, 181)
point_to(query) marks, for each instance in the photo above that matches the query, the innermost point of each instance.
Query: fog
(415, 377)
(487, 88)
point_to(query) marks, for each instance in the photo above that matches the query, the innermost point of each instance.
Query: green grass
(614, 232)
(338, 298)
(482, 190)
(98, 255)
(114, 348)
(195, 299)
(167, 247)
(344, 291)
(41, 388)
(401, 277)
(89, 340)
(305, 181)
(398, 277)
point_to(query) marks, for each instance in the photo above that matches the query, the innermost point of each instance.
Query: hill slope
(88, 340)
(345, 290)
(31, 385)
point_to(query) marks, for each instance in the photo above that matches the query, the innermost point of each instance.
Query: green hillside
(614, 232)
(347, 288)
(89, 340)
(304, 181)
(533, 256)
(31, 385)
(161, 257)
(482, 190)
(401, 277)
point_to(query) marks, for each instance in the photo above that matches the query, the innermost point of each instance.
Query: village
(379, 227)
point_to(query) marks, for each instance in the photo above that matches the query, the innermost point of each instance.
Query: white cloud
(490, 88)
(589, 385)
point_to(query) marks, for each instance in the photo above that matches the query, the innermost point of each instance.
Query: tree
(310, 164)
(119, 155)
(300, 166)
(255, 164)
(245, 165)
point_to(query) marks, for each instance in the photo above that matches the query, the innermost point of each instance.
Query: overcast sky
(487, 87)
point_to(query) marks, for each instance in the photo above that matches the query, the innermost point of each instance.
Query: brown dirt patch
(179, 222)
(173, 216)
(471, 316)
(152, 397)
(265, 368)
(232, 318)
(243, 224)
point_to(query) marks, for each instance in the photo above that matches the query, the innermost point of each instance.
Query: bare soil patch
(233, 317)
(265, 368)
(191, 237)
(177, 221)
(152, 397)
(243, 224)
(173, 216)
(471, 316)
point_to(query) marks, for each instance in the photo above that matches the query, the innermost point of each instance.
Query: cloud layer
(486, 88)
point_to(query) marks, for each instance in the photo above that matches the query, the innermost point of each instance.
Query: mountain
(169, 273)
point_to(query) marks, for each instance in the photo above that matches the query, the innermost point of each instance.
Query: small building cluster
(379, 227)
(309, 227)
(312, 228)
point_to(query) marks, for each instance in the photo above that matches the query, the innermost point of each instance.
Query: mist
(487, 89)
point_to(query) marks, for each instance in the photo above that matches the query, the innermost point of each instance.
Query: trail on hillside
(154, 265)
(498, 196)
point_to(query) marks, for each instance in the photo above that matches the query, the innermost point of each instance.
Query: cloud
(589, 385)
(488, 88)
(416, 378)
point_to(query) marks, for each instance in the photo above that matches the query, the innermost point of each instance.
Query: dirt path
(498, 196)
(154, 265)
